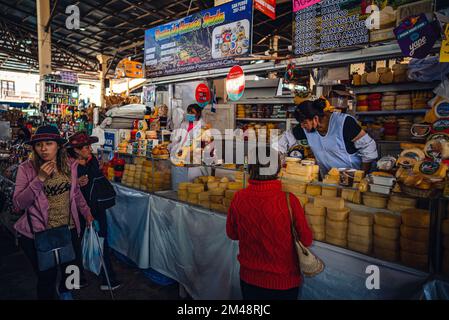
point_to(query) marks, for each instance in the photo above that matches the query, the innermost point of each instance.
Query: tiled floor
(17, 280)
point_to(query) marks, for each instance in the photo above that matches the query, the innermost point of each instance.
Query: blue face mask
(190, 117)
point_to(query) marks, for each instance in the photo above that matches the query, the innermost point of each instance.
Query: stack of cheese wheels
(360, 232)
(294, 187)
(128, 175)
(193, 192)
(399, 203)
(313, 190)
(316, 220)
(336, 223)
(445, 232)
(329, 191)
(415, 237)
(337, 226)
(182, 190)
(229, 195)
(386, 236)
(374, 200)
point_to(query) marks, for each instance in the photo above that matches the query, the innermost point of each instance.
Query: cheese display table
(189, 244)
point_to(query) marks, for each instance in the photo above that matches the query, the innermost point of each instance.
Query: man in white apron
(336, 139)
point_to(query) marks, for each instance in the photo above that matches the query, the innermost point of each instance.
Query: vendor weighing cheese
(336, 139)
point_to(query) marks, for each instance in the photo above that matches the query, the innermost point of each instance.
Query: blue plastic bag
(92, 246)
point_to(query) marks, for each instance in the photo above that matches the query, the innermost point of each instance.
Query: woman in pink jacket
(48, 191)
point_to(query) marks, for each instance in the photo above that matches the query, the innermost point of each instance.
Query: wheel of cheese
(312, 190)
(362, 248)
(417, 218)
(362, 97)
(383, 243)
(338, 214)
(393, 206)
(315, 220)
(385, 254)
(386, 78)
(418, 261)
(216, 199)
(361, 218)
(311, 210)
(205, 204)
(319, 236)
(235, 186)
(359, 230)
(445, 227)
(388, 98)
(386, 232)
(374, 200)
(340, 225)
(387, 219)
(203, 196)
(217, 192)
(294, 188)
(415, 234)
(213, 185)
(223, 185)
(411, 246)
(372, 78)
(329, 191)
(388, 104)
(303, 199)
(229, 194)
(336, 241)
(318, 228)
(336, 233)
(329, 202)
(196, 188)
(367, 241)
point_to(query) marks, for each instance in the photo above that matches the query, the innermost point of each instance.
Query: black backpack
(102, 193)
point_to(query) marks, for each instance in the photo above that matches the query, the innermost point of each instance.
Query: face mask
(190, 117)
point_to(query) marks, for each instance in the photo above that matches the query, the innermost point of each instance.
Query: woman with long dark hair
(47, 189)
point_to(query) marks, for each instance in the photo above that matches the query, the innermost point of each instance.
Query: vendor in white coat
(336, 139)
(186, 136)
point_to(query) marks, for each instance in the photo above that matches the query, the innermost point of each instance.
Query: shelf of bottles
(60, 95)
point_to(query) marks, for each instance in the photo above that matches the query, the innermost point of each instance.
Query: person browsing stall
(336, 139)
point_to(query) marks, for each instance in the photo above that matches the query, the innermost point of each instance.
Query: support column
(103, 59)
(44, 42)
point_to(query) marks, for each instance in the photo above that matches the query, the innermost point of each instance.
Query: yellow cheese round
(229, 194)
(213, 185)
(418, 261)
(416, 234)
(393, 206)
(361, 218)
(338, 214)
(192, 196)
(367, 241)
(319, 236)
(329, 202)
(329, 191)
(294, 188)
(217, 192)
(387, 219)
(205, 204)
(336, 233)
(383, 243)
(211, 179)
(336, 241)
(386, 232)
(445, 227)
(315, 220)
(223, 185)
(224, 179)
(312, 190)
(235, 186)
(374, 201)
(416, 218)
(402, 200)
(196, 188)
(385, 254)
(203, 196)
(318, 228)
(362, 248)
(340, 225)
(359, 230)
(411, 246)
(311, 210)
(216, 199)
(204, 179)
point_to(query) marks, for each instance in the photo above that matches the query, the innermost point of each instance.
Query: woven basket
(419, 193)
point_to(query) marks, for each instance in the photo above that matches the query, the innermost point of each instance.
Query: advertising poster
(206, 40)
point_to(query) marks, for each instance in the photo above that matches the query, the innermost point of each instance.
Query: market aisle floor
(17, 281)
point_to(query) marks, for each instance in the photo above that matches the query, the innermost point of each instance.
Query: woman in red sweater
(259, 218)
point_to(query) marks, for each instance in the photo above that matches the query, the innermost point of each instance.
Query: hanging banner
(128, 69)
(205, 40)
(267, 7)
(416, 36)
(302, 4)
(235, 83)
(202, 95)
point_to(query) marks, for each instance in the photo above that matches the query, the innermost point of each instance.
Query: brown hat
(81, 139)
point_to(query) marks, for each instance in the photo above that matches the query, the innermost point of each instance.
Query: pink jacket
(29, 194)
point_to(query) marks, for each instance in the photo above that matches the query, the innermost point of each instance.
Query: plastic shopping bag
(92, 246)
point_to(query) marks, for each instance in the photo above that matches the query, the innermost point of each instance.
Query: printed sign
(235, 83)
(205, 40)
(267, 7)
(416, 36)
(302, 4)
(202, 95)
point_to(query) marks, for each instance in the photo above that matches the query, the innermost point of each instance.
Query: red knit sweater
(258, 217)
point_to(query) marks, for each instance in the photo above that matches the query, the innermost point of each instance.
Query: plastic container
(383, 181)
(380, 189)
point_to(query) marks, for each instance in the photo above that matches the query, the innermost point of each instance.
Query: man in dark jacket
(79, 147)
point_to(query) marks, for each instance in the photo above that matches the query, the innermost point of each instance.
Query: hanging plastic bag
(92, 246)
